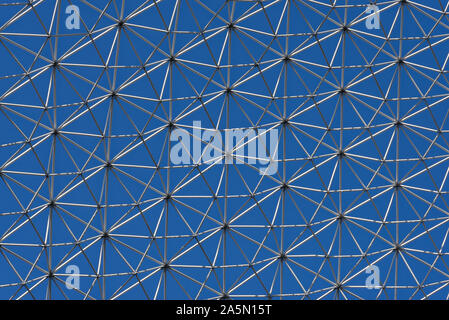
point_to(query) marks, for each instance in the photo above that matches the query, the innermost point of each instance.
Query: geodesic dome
(89, 188)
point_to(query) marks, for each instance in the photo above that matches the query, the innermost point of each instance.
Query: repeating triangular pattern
(86, 178)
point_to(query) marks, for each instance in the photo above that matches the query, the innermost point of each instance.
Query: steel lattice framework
(86, 177)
